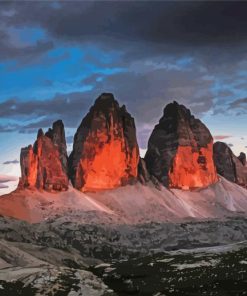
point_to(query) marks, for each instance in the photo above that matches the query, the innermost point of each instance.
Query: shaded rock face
(143, 173)
(44, 165)
(180, 150)
(105, 152)
(228, 165)
(242, 158)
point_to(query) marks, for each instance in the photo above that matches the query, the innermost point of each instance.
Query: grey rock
(228, 165)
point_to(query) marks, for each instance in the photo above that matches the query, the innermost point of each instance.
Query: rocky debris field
(58, 257)
(217, 271)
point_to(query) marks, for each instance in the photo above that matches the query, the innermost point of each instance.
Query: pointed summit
(105, 152)
(40, 133)
(180, 150)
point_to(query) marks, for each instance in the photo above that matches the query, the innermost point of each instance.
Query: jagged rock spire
(45, 164)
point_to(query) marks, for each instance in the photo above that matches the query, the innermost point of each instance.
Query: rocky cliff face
(180, 150)
(228, 165)
(242, 158)
(105, 152)
(44, 165)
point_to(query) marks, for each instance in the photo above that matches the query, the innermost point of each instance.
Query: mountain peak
(105, 151)
(180, 150)
(105, 100)
(44, 165)
(229, 165)
(40, 133)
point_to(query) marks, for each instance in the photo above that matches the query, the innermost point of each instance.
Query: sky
(56, 58)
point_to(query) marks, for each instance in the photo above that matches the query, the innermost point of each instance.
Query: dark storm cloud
(151, 37)
(165, 22)
(213, 33)
(171, 26)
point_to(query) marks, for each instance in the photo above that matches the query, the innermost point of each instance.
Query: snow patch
(202, 263)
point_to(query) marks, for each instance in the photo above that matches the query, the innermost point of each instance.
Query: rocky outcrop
(180, 150)
(228, 165)
(242, 158)
(105, 152)
(44, 165)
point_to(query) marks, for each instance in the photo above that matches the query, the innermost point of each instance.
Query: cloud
(221, 137)
(167, 50)
(15, 161)
(24, 54)
(11, 183)
(69, 107)
(6, 178)
(139, 28)
(239, 104)
(8, 128)
(164, 22)
(145, 93)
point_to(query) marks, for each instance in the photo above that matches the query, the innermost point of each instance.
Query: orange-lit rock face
(192, 169)
(180, 150)
(42, 165)
(105, 153)
(28, 166)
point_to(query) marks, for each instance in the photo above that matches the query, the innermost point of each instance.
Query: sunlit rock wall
(105, 152)
(180, 150)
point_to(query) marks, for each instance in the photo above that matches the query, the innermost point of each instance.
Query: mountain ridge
(105, 152)
(111, 183)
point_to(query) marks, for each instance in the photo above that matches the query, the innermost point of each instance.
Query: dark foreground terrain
(61, 258)
(213, 271)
